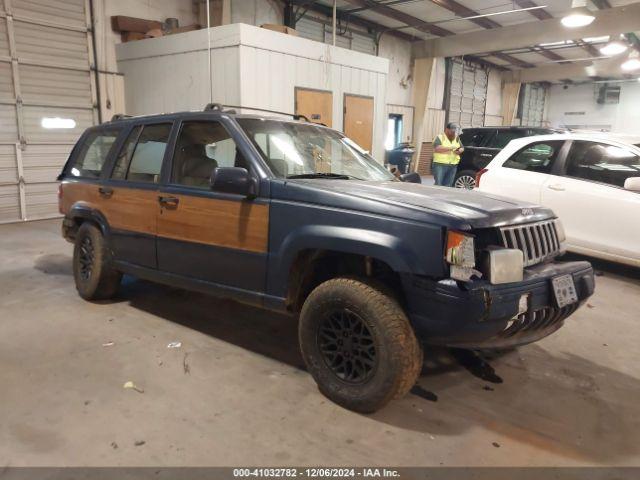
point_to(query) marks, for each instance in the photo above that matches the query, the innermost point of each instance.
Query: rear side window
(474, 138)
(536, 157)
(601, 162)
(140, 159)
(93, 154)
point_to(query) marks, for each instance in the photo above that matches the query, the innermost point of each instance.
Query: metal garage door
(532, 101)
(47, 99)
(467, 93)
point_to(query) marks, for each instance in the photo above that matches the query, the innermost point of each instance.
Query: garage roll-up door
(47, 98)
(467, 93)
(532, 98)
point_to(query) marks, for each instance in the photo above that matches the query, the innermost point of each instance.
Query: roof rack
(216, 107)
(120, 116)
(295, 116)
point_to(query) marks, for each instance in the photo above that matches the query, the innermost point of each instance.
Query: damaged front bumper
(477, 314)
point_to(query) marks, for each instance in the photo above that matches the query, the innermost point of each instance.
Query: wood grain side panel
(225, 223)
(129, 209)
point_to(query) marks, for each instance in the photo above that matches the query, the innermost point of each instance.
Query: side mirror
(412, 177)
(233, 180)
(632, 183)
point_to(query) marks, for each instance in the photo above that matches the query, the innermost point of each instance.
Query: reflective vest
(449, 158)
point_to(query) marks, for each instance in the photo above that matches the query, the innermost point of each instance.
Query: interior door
(523, 173)
(316, 105)
(202, 234)
(598, 214)
(358, 120)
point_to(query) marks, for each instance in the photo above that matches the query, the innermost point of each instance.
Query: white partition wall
(251, 67)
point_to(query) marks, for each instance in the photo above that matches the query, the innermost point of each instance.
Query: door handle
(105, 192)
(486, 155)
(168, 202)
(556, 187)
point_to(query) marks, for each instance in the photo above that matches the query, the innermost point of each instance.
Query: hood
(479, 209)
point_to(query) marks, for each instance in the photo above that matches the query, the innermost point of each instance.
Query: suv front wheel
(358, 344)
(94, 277)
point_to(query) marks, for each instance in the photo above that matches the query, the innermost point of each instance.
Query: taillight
(60, 198)
(478, 175)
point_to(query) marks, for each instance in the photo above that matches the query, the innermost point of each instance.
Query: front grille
(538, 320)
(538, 241)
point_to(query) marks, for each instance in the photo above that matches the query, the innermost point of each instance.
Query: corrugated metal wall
(45, 58)
(314, 29)
(467, 94)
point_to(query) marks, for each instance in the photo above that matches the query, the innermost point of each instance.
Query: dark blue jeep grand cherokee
(294, 217)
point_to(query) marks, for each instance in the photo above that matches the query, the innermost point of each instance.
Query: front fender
(401, 253)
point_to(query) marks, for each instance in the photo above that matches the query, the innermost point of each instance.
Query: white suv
(590, 180)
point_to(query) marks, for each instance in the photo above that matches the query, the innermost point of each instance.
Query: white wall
(111, 84)
(580, 100)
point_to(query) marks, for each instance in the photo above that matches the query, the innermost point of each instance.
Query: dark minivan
(295, 217)
(482, 144)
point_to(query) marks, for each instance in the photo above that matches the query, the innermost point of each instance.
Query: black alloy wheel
(86, 258)
(347, 346)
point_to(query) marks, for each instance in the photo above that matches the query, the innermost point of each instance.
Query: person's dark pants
(444, 174)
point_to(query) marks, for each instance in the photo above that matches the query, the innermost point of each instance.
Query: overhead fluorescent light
(494, 14)
(57, 122)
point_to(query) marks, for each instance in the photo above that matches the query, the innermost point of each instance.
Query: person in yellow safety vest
(447, 149)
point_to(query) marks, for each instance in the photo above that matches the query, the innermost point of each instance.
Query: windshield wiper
(337, 176)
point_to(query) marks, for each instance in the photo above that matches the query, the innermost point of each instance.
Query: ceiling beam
(553, 73)
(607, 22)
(402, 17)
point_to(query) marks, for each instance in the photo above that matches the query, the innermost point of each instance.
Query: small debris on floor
(432, 437)
(605, 345)
(174, 345)
(139, 443)
(185, 365)
(349, 441)
(589, 305)
(111, 319)
(160, 362)
(133, 386)
(488, 388)
(87, 402)
(599, 274)
(108, 344)
(114, 445)
(496, 444)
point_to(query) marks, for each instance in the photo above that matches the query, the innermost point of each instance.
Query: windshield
(306, 150)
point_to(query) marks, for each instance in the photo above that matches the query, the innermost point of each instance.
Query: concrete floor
(235, 393)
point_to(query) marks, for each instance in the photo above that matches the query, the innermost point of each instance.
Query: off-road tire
(100, 281)
(397, 351)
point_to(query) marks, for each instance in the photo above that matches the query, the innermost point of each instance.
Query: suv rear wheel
(358, 344)
(94, 277)
(465, 179)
